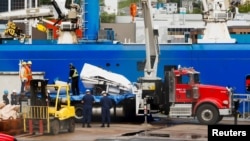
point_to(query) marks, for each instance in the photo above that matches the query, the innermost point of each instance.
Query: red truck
(182, 95)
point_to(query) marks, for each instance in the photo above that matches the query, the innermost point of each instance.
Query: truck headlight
(225, 102)
(196, 94)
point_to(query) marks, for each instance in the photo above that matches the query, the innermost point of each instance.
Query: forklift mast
(38, 91)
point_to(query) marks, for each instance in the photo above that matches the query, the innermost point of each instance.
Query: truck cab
(188, 97)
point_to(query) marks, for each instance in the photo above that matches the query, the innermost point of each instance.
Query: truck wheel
(71, 125)
(78, 113)
(207, 114)
(220, 118)
(55, 127)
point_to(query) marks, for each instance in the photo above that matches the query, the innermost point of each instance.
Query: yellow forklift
(48, 109)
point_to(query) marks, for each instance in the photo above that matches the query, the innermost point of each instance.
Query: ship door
(247, 83)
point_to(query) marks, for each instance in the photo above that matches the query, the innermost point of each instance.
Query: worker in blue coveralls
(88, 101)
(106, 104)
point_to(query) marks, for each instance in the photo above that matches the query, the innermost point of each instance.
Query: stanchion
(145, 111)
(235, 112)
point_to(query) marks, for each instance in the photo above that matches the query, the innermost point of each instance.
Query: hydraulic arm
(151, 41)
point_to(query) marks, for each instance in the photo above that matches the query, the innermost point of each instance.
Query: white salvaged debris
(9, 111)
(92, 75)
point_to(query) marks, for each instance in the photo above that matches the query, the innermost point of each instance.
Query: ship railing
(244, 100)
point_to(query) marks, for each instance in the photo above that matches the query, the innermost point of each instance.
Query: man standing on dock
(88, 100)
(106, 104)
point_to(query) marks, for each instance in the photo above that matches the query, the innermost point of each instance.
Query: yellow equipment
(41, 27)
(15, 32)
(46, 111)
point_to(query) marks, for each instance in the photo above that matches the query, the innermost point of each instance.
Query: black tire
(220, 118)
(78, 113)
(207, 114)
(71, 128)
(55, 127)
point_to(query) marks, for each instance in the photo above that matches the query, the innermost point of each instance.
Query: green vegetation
(126, 3)
(107, 18)
(244, 8)
(45, 2)
(101, 2)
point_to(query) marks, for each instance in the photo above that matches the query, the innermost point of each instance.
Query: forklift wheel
(71, 125)
(55, 127)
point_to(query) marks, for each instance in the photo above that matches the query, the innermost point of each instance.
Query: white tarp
(91, 75)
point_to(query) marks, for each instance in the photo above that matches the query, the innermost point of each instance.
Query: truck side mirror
(247, 83)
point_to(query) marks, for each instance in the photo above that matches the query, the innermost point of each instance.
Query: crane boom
(27, 13)
(151, 41)
(149, 85)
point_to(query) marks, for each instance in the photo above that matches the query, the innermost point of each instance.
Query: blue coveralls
(106, 104)
(88, 101)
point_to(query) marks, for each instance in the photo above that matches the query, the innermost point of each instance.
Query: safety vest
(24, 73)
(75, 74)
(29, 72)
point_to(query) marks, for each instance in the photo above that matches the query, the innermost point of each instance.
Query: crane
(149, 83)
(216, 16)
(68, 20)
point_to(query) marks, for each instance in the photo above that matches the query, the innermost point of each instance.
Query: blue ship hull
(219, 64)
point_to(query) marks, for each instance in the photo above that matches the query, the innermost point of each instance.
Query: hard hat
(71, 64)
(48, 91)
(87, 90)
(23, 63)
(29, 62)
(103, 92)
(6, 92)
(14, 91)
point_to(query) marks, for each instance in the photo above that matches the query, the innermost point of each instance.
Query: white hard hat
(23, 63)
(14, 91)
(29, 62)
(87, 90)
(103, 92)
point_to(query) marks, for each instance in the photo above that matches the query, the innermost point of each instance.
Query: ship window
(108, 65)
(140, 65)
(247, 83)
(50, 34)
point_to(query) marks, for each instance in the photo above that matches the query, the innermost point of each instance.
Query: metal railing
(244, 100)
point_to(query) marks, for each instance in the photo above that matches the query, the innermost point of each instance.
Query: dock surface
(162, 129)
